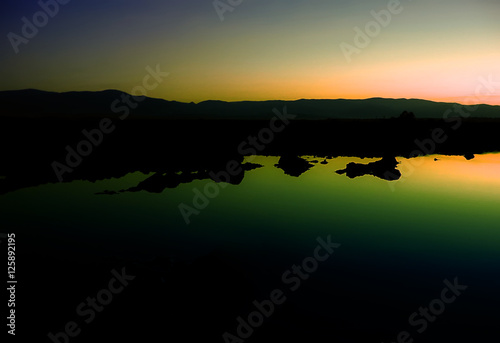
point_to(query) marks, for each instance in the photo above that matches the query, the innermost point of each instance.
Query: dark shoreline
(30, 148)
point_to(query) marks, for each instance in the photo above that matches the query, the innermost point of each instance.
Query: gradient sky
(264, 49)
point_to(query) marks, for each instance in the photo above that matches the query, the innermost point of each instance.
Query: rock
(293, 165)
(384, 169)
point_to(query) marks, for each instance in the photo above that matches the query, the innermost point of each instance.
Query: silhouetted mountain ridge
(77, 105)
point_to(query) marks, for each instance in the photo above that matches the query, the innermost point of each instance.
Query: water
(399, 240)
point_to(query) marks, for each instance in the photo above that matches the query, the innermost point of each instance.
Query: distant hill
(74, 105)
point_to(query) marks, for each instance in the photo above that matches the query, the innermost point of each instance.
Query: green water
(440, 220)
(442, 205)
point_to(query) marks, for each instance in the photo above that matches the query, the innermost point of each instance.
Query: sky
(442, 50)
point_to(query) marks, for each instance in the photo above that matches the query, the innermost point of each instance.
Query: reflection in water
(293, 165)
(158, 182)
(171, 173)
(483, 170)
(384, 169)
(441, 222)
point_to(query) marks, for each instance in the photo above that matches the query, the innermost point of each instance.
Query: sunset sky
(263, 49)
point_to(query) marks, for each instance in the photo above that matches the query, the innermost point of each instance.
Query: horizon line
(270, 100)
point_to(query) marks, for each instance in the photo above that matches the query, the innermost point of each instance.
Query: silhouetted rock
(384, 169)
(324, 162)
(469, 156)
(293, 165)
(160, 181)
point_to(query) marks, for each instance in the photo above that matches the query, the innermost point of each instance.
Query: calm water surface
(399, 240)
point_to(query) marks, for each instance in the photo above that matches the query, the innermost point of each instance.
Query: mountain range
(31, 103)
